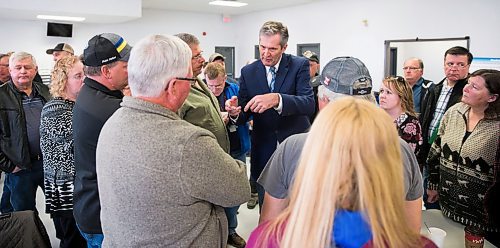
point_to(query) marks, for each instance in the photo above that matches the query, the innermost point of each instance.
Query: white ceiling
(203, 6)
(115, 11)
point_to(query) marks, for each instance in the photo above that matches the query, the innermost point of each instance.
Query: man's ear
(284, 47)
(105, 71)
(171, 88)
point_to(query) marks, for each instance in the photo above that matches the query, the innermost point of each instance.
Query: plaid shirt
(440, 107)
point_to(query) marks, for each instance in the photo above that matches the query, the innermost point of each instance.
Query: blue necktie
(272, 70)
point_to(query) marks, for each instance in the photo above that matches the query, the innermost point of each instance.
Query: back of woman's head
(351, 160)
(403, 90)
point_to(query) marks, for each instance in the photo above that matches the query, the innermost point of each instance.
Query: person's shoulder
(459, 108)
(294, 57)
(295, 141)
(252, 65)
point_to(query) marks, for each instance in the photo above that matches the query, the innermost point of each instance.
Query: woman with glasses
(348, 188)
(56, 143)
(463, 161)
(396, 98)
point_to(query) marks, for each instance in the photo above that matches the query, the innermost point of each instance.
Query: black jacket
(14, 148)
(93, 107)
(426, 84)
(428, 108)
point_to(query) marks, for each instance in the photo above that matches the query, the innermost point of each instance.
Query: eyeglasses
(192, 80)
(197, 57)
(458, 65)
(411, 68)
(220, 86)
(398, 79)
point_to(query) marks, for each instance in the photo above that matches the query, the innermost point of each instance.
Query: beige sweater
(162, 181)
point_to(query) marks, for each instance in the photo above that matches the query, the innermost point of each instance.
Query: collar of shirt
(446, 87)
(277, 65)
(419, 82)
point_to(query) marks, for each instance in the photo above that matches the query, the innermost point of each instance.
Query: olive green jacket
(201, 109)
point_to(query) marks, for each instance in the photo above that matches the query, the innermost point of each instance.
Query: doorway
(313, 47)
(228, 53)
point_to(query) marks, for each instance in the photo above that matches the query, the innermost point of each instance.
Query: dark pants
(253, 185)
(493, 238)
(67, 231)
(23, 185)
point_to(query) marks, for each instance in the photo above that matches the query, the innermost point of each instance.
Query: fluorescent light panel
(228, 3)
(61, 18)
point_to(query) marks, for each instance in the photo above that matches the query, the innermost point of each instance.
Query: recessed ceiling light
(228, 3)
(61, 18)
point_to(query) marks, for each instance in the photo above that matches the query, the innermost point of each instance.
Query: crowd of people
(147, 146)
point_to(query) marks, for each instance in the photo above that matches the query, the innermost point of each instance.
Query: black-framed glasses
(191, 80)
(411, 68)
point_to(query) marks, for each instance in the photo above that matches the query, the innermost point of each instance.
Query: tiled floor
(247, 218)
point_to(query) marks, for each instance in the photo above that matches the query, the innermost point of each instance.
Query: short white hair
(324, 92)
(20, 56)
(154, 61)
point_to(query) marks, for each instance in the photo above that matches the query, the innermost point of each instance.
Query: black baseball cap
(106, 48)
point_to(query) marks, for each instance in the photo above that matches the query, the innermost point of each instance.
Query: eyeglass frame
(411, 68)
(191, 80)
(398, 79)
(198, 57)
(457, 65)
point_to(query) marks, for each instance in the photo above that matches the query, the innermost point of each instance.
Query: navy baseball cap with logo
(106, 48)
(347, 75)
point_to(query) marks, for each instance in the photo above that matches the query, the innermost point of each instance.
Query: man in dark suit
(275, 91)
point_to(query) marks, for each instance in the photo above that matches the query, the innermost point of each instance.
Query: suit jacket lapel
(282, 71)
(261, 76)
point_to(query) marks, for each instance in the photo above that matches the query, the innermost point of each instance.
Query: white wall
(431, 53)
(30, 36)
(337, 25)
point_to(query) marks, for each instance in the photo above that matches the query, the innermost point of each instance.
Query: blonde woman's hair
(59, 77)
(403, 89)
(351, 160)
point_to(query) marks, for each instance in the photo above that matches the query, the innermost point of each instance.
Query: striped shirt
(440, 106)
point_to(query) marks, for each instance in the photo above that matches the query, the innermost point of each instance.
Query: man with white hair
(21, 101)
(163, 181)
(341, 77)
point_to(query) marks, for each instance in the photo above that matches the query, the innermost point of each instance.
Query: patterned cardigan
(463, 172)
(56, 142)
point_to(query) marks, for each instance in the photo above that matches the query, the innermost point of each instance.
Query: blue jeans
(94, 240)
(23, 185)
(232, 219)
(5, 206)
